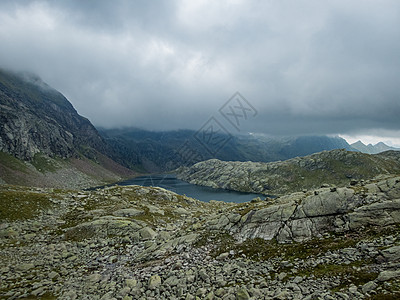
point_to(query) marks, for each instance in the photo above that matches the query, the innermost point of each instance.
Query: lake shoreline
(172, 183)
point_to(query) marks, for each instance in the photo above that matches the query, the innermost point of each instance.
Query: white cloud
(307, 66)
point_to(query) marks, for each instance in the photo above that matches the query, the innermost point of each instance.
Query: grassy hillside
(44, 171)
(336, 167)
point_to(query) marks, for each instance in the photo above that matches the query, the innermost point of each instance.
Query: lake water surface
(202, 193)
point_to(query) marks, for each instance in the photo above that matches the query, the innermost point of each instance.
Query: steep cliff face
(45, 142)
(35, 118)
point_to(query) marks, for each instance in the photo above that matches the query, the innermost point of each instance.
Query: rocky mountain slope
(335, 167)
(150, 151)
(148, 243)
(41, 132)
(372, 149)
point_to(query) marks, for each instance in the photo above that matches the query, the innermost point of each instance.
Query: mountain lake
(202, 193)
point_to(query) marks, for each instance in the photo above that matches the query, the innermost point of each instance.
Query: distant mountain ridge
(372, 149)
(152, 151)
(36, 121)
(38, 127)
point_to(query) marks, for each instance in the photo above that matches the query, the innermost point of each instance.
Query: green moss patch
(11, 162)
(260, 250)
(79, 234)
(381, 296)
(44, 163)
(20, 205)
(350, 273)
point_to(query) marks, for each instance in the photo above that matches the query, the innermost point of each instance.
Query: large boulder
(299, 217)
(103, 227)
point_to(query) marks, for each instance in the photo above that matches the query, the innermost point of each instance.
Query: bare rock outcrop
(335, 167)
(302, 216)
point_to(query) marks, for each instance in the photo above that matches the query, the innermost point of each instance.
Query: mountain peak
(372, 149)
(358, 143)
(38, 127)
(36, 118)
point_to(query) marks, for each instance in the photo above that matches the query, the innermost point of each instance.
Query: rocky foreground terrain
(293, 175)
(148, 243)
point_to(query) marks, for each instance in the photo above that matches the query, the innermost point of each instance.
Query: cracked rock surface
(302, 216)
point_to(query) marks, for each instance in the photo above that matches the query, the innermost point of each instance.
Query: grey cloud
(307, 66)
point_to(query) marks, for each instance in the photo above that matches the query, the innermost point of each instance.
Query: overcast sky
(306, 67)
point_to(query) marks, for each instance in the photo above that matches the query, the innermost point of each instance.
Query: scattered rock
(223, 256)
(147, 233)
(392, 253)
(94, 278)
(24, 267)
(128, 212)
(53, 275)
(388, 275)
(181, 211)
(154, 282)
(369, 286)
(78, 254)
(242, 294)
(131, 283)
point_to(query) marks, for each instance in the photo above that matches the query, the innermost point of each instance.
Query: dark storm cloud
(319, 67)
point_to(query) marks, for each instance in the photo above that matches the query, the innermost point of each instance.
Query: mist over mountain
(155, 151)
(36, 118)
(312, 68)
(44, 141)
